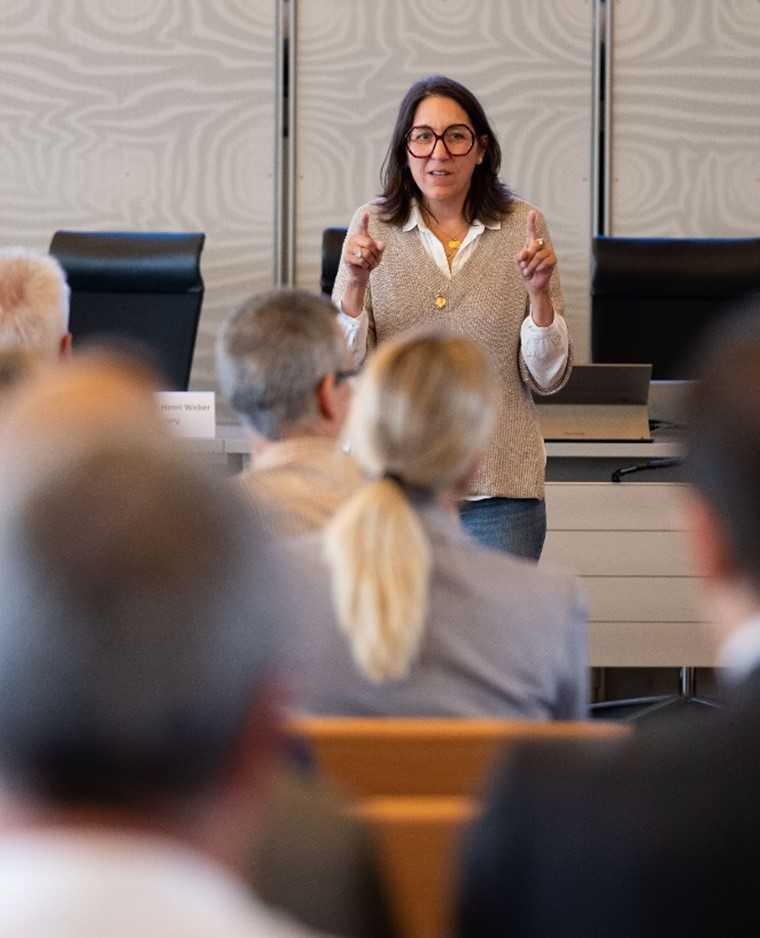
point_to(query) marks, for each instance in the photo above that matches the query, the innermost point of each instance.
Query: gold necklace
(450, 245)
(450, 249)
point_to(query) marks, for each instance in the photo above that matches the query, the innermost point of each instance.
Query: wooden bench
(417, 783)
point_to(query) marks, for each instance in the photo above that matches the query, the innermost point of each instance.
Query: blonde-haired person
(423, 621)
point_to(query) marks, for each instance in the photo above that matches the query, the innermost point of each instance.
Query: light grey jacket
(504, 638)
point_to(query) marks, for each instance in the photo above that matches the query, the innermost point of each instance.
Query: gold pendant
(454, 245)
(440, 301)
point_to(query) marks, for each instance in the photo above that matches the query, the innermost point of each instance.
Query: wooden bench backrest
(385, 757)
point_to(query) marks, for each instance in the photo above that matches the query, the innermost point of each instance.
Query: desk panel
(620, 553)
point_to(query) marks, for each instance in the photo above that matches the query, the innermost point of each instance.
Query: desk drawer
(605, 506)
(653, 644)
(643, 599)
(619, 553)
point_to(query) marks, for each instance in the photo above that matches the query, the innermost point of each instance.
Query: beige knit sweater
(487, 301)
(296, 485)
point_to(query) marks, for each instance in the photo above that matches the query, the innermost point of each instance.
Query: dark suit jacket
(651, 836)
(318, 864)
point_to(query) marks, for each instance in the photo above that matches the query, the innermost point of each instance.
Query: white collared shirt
(434, 248)
(88, 884)
(740, 653)
(544, 348)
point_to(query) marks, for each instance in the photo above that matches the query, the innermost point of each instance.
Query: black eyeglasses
(345, 375)
(457, 139)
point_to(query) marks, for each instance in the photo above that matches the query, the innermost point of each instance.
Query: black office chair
(332, 245)
(145, 287)
(651, 298)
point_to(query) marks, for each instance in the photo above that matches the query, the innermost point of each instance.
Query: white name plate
(189, 413)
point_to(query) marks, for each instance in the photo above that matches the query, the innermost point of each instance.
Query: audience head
(724, 454)
(16, 364)
(106, 394)
(133, 645)
(282, 363)
(34, 303)
(421, 418)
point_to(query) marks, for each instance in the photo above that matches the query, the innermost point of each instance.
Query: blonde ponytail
(380, 559)
(423, 412)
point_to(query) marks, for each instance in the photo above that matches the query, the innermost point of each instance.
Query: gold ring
(540, 242)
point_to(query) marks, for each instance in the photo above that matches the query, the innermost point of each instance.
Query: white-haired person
(34, 303)
(284, 367)
(422, 620)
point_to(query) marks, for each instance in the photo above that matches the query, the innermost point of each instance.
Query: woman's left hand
(537, 260)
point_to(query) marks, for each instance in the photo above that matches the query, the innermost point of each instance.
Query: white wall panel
(629, 545)
(529, 63)
(145, 115)
(685, 118)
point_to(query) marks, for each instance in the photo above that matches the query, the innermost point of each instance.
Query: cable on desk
(653, 463)
(655, 424)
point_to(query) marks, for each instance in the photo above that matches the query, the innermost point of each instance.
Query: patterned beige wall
(143, 114)
(151, 114)
(686, 118)
(528, 61)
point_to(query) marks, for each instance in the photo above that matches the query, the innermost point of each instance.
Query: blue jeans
(514, 525)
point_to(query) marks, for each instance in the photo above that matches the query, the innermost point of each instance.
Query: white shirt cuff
(740, 653)
(545, 349)
(355, 330)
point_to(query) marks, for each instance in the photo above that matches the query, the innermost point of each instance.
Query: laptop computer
(600, 403)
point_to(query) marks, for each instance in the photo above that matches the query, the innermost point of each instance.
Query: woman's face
(441, 178)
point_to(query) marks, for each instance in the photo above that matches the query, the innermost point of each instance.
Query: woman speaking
(447, 242)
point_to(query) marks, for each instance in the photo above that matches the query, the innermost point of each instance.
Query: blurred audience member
(654, 836)
(318, 861)
(34, 303)
(136, 710)
(106, 394)
(16, 364)
(282, 364)
(426, 622)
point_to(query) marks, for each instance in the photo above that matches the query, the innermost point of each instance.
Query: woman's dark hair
(488, 199)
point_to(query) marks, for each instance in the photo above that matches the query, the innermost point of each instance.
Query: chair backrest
(145, 287)
(651, 298)
(417, 842)
(332, 245)
(384, 757)
(416, 782)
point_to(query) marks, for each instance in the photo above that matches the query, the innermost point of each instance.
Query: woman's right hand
(362, 254)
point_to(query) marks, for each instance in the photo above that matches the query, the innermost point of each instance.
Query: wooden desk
(628, 544)
(232, 440)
